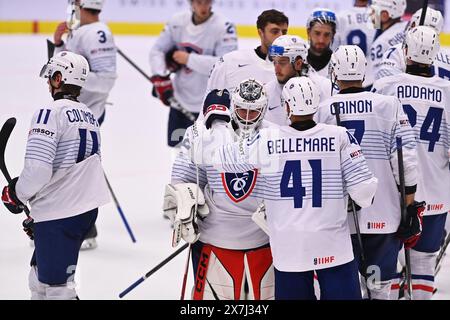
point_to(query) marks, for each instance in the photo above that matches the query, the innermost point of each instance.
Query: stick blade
(5, 132)
(50, 49)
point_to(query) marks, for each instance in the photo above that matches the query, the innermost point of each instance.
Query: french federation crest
(239, 186)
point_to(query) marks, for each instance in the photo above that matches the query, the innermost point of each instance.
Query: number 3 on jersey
(296, 190)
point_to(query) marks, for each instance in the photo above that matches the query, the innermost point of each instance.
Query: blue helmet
(323, 16)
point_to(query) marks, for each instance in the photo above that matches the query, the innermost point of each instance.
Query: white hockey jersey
(382, 42)
(426, 102)
(205, 43)
(375, 121)
(353, 28)
(232, 197)
(62, 175)
(95, 42)
(394, 63)
(276, 113)
(306, 175)
(237, 66)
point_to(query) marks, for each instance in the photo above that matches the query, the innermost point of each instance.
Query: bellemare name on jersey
(292, 145)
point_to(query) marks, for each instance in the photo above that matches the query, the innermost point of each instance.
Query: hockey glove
(410, 230)
(171, 64)
(9, 198)
(179, 205)
(216, 107)
(350, 207)
(162, 88)
(259, 217)
(28, 225)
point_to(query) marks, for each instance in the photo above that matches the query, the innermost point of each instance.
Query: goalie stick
(5, 133)
(156, 268)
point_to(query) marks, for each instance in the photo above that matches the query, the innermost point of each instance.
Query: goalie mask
(249, 102)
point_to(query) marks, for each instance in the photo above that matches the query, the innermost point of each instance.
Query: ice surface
(137, 162)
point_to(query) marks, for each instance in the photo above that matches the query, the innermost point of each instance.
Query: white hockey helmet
(433, 18)
(249, 99)
(73, 67)
(289, 46)
(348, 63)
(422, 44)
(91, 4)
(301, 95)
(395, 8)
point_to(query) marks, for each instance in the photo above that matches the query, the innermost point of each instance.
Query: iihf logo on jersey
(239, 186)
(323, 260)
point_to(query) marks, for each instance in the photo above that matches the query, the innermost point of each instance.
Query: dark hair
(71, 89)
(271, 16)
(92, 11)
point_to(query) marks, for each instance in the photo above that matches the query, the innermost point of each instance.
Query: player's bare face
(283, 69)
(320, 37)
(271, 32)
(201, 9)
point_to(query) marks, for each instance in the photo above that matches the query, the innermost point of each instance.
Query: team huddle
(314, 166)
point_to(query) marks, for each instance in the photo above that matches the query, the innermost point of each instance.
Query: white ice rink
(137, 162)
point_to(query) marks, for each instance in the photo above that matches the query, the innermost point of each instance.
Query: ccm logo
(217, 107)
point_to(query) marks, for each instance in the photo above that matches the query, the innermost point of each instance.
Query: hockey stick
(355, 219)
(441, 255)
(119, 208)
(401, 174)
(50, 49)
(186, 271)
(173, 102)
(156, 268)
(424, 12)
(5, 133)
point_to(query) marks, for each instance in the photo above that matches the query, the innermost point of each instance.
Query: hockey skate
(89, 244)
(89, 241)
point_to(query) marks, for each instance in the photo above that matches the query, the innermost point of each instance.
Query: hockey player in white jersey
(62, 179)
(375, 121)
(232, 258)
(93, 40)
(307, 170)
(425, 100)
(321, 29)
(386, 17)
(354, 27)
(239, 65)
(394, 58)
(289, 55)
(189, 45)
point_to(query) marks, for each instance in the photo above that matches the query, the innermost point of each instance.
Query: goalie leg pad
(219, 273)
(260, 274)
